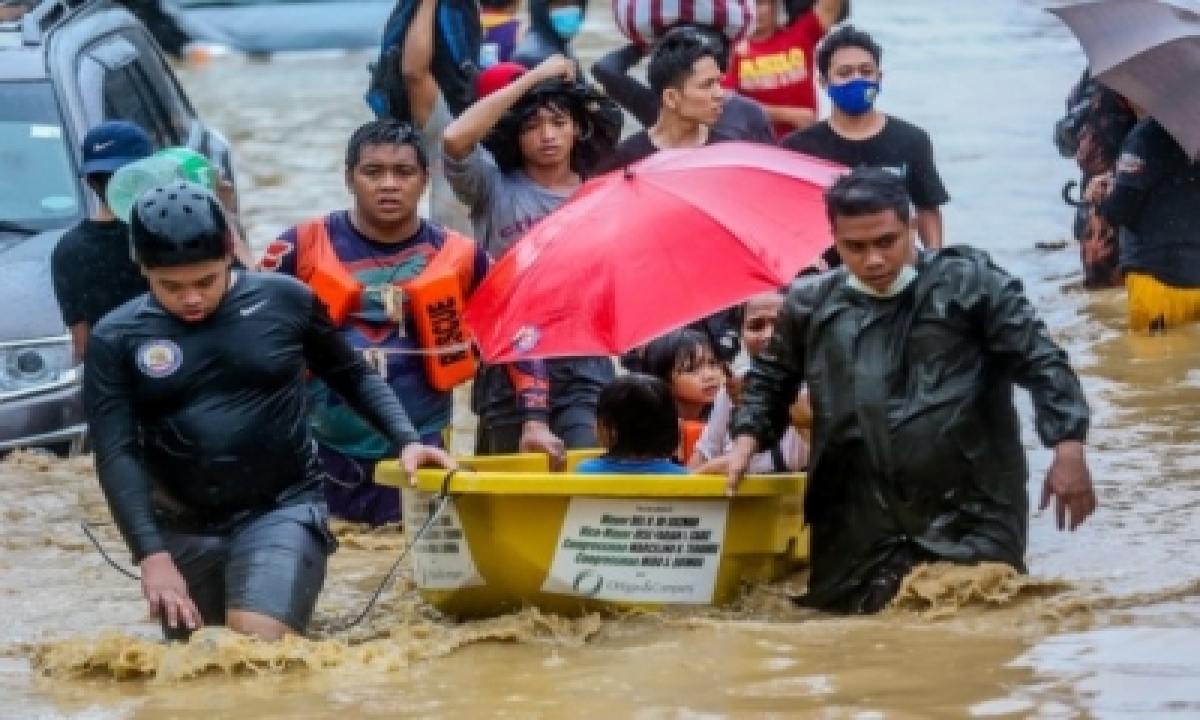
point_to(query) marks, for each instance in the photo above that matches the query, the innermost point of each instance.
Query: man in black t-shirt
(685, 73)
(91, 267)
(857, 134)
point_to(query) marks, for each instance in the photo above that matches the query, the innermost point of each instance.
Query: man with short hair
(740, 119)
(91, 268)
(543, 132)
(196, 402)
(857, 134)
(910, 360)
(685, 73)
(371, 261)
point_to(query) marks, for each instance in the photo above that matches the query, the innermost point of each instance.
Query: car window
(160, 87)
(125, 100)
(125, 94)
(39, 189)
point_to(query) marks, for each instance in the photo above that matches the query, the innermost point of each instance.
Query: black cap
(179, 224)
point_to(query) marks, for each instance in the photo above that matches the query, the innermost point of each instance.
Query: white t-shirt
(715, 442)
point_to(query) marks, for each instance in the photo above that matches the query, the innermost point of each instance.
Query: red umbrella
(634, 254)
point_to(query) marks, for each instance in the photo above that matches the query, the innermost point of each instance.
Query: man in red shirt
(775, 65)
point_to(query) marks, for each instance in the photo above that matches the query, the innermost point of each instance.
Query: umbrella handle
(1066, 195)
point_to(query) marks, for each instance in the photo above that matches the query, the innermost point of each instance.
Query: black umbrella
(1148, 51)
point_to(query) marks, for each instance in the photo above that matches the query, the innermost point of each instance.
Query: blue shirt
(616, 466)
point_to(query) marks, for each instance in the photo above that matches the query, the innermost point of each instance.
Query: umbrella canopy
(1148, 51)
(636, 253)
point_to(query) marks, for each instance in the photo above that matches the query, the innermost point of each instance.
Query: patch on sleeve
(1130, 164)
(273, 256)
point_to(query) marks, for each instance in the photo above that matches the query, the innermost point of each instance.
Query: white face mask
(902, 281)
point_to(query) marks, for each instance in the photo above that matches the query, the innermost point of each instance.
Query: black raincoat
(916, 449)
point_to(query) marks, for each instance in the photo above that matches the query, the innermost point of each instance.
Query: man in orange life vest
(395, 283)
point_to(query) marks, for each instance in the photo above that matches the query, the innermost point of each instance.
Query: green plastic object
(193, 166)
(136, 178)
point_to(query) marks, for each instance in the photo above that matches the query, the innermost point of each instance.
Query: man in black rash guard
(196, 401)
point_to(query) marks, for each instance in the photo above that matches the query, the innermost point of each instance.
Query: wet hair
(98, 182)
(385, 132)
(674, 58)
(714, 38)
(639, 412)
(504, 142)
(846, 36)
(675, 352)
(866, 191)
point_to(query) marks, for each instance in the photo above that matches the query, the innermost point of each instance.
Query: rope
(442, 499)
(443, 350)
(87, 530)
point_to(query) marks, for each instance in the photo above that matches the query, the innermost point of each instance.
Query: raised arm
(612, 72)
(829, 12)
(416, 63)
(478, 120)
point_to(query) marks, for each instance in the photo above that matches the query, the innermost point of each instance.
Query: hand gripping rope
(437, 504)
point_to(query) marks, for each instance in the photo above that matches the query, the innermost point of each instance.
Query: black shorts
(273, 564)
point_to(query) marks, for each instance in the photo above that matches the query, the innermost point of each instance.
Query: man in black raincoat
(910, 361)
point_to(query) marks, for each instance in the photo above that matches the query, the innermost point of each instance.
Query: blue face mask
(855, 97)
(567, 21)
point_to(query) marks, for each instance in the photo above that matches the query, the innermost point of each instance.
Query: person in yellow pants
(1154, 305)
(1154, 200)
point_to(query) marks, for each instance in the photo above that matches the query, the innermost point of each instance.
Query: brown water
(987, 79)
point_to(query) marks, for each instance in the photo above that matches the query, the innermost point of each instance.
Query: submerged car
(65, 66)
(263, 27)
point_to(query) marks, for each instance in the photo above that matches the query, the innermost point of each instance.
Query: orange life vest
(689, 434)
(435, 298)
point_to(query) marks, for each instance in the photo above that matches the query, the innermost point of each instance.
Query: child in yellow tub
(638, 424)
(711, 454)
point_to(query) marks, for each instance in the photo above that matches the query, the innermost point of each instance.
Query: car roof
(23, 39)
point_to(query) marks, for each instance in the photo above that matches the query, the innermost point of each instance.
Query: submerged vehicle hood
(26, 291)
(294, 26)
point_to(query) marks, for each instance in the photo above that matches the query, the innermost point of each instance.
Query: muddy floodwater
(1107, 626)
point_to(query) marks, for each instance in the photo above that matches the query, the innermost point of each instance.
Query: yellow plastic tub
(516, 535)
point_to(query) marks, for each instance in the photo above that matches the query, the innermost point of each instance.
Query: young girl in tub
(758, 318)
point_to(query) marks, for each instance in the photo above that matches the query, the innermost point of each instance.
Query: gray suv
(65, 66)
